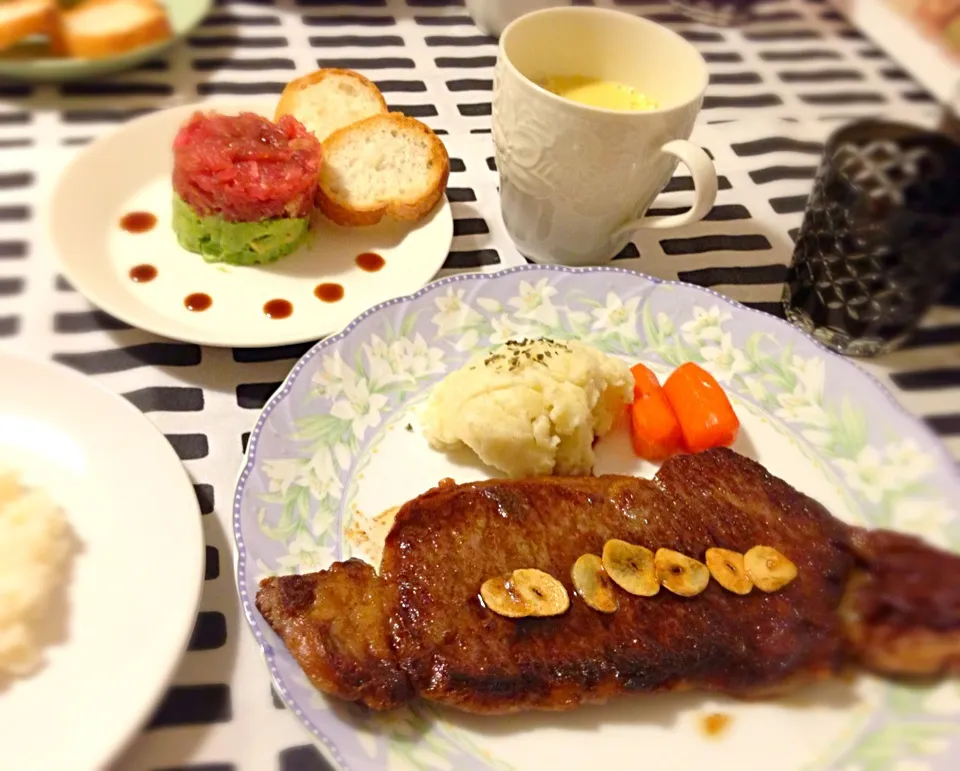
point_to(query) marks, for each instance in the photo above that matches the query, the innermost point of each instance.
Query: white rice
(35, 544)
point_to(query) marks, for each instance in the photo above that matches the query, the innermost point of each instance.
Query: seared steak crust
(901, 612)
(446, 543)
(424, 631)
(333, 622)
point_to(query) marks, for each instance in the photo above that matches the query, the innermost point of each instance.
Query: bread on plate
(329, 99)
(20, 19)
(387, 165)
(95, 29)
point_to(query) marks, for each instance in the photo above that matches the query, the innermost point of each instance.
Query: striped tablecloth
(775, 84)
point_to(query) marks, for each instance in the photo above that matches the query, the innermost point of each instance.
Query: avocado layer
(237, 243)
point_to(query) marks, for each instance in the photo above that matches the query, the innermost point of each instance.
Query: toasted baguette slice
(383, 166)
(99, 28)
(21, 19)
(329, 99)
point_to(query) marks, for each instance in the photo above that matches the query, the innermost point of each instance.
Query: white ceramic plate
(129, 170)
(132, 598)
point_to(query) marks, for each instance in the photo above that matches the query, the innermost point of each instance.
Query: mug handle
(704, 190)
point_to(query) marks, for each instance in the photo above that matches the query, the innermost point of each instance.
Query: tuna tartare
(245, 186)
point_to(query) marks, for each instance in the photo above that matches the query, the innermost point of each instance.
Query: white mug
(576, 180)
(492, 16)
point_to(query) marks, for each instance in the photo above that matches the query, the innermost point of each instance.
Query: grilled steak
(881, 599)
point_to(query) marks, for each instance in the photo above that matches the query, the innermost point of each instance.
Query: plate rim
(938, 448)
(137, 717)
(76, 278)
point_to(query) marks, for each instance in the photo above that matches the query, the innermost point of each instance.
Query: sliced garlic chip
(630, 567)
(593, 584)
(727, 568)
(500, 599)
(681, 574)
(525, 592)
(768, 569)
(543, 594)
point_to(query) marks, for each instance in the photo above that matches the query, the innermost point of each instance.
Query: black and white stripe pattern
(797, 61)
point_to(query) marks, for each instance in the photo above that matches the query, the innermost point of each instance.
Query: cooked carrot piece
(644, 381)
(705, 414)
(654, 430)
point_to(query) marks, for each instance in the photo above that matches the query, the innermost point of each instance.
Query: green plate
(29, 62)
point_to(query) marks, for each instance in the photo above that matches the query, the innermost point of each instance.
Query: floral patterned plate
(340, 443)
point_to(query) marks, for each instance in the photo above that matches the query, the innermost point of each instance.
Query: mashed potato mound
(35, 543)
(530, 407)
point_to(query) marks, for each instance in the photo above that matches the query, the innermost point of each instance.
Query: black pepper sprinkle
(517, 352)
(409, 427)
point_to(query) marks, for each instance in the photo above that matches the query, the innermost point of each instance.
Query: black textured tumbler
(880, 238)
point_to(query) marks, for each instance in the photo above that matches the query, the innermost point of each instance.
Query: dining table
(778, 84)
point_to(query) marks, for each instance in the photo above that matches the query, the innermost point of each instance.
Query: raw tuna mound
(245, 168)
